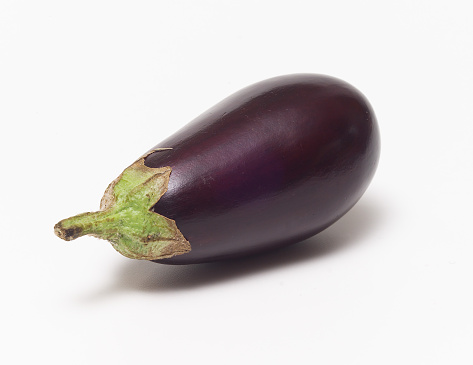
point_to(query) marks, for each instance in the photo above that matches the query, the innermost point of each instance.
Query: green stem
(126, 219)
(80, 225)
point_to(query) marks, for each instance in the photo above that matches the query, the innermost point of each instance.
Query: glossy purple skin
(272, 164)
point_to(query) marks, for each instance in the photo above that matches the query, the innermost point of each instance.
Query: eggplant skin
(273, 164)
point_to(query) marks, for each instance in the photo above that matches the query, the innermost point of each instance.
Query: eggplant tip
(67, 234)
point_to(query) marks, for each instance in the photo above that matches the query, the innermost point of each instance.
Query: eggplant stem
(82, 224)
(126, 219)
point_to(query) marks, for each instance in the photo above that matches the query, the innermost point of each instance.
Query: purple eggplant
(271, 165)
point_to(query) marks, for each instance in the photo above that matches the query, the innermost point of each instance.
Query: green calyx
(125, 217)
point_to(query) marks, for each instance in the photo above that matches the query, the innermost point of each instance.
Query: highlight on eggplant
(273, 164)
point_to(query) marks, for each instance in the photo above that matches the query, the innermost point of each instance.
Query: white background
(88, 86)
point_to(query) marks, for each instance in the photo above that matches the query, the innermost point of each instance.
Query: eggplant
(273, 164)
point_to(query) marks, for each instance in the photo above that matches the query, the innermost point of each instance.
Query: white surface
(86, 87)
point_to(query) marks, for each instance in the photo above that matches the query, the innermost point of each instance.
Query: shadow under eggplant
(350, 230)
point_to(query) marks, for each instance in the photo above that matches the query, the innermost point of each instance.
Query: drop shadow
(349, 231)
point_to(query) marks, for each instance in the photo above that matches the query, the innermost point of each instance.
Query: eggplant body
(271, 165)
